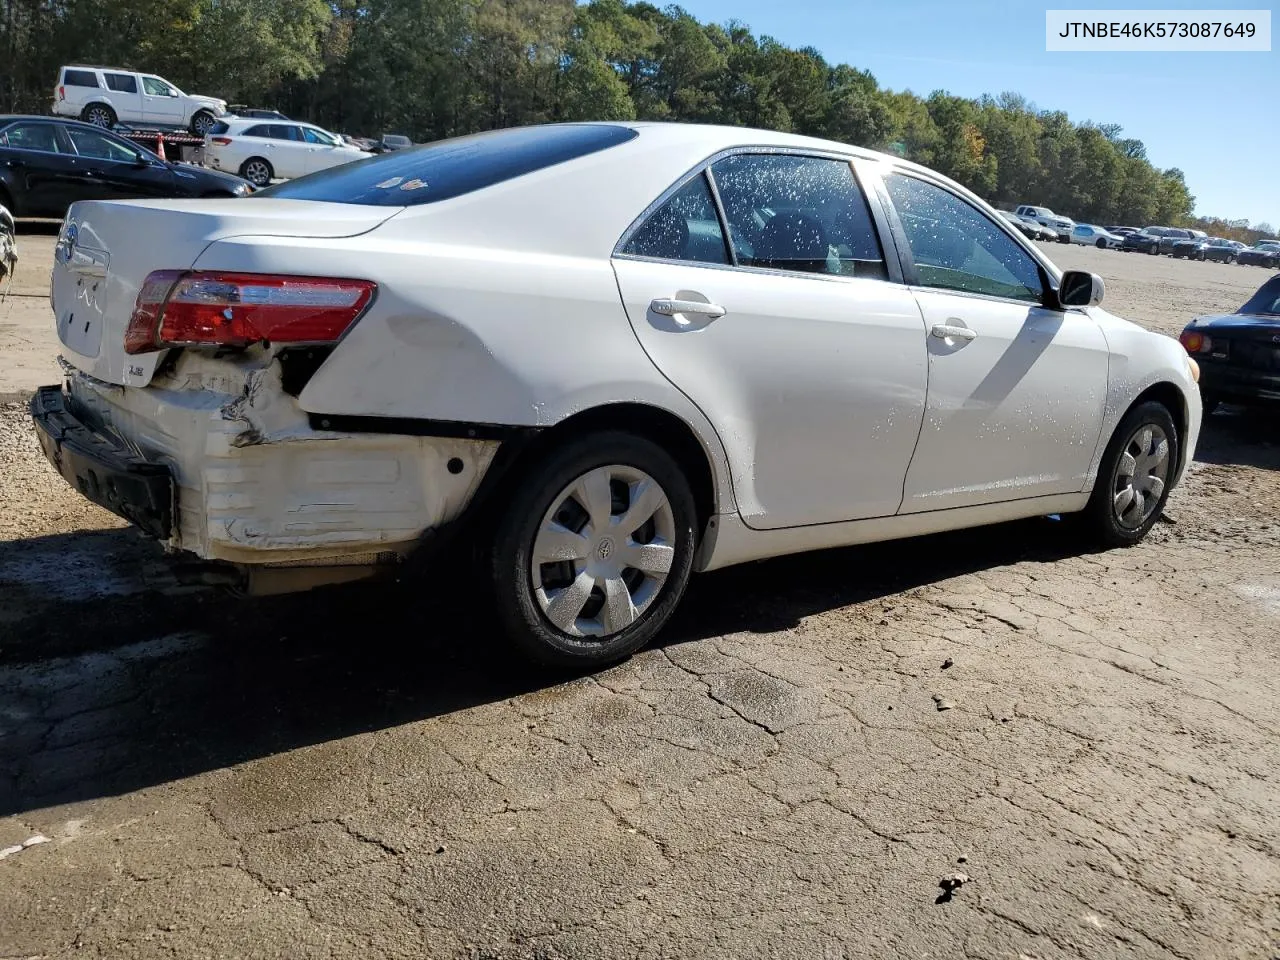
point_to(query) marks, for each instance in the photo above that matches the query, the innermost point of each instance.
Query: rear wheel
(257, 171)
(594, 553)
(100, 115)
(1134, 476)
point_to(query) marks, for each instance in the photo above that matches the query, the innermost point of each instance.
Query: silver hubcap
(1141, 475)
(603, 551)
(257, 172)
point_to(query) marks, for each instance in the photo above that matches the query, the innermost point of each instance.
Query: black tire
(201, 121)
(1154, 251)
(527, 626)
(100, 115)
(1101, 244)
(258, 171)
(1099, 516)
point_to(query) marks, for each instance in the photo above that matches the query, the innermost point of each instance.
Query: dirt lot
(362, 773)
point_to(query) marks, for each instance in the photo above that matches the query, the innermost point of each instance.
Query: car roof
(6, 118)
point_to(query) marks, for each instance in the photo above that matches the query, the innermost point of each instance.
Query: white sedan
(1091, 236)
(613, 354)
(265, 150)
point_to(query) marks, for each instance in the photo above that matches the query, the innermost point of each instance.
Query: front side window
(121, 82)
(796, 213)
(686, 227)
(319, 136)
(90, 143)
(955, 246)
(31, 136)
(156, 87)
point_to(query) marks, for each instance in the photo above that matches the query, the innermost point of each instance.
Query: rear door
(161, 103)
(126, 95)
(787, 332)
(41, 167)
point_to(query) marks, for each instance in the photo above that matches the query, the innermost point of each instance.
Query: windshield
(450, 168)
(1266, 301)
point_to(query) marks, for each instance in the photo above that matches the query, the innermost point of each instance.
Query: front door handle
(670, 308)
(947, 331)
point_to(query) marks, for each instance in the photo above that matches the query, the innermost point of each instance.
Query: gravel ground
(363, 772)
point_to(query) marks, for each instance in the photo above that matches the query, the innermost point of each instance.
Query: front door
(161, 103)
(113, 169)
(808, 362)
(1016, 389)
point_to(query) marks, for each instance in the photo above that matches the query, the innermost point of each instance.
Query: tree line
(441, 68)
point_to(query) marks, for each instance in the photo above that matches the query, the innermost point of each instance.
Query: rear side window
(260, 130)
(31, 136)
(686, 227)
(451, 168)
(121, 82)
(804, 214)
(79, 78)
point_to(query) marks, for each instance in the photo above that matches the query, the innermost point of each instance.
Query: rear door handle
(947, 331)
(670, 308)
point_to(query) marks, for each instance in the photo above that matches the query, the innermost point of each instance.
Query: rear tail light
(62, 93)
(1195, 342)
(220, 141)
(179, 309)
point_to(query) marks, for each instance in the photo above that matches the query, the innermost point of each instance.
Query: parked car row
(47, 163)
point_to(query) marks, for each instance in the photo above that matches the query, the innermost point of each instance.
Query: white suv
(104, 95)
(262, 151)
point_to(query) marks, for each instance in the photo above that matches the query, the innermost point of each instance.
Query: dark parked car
(1122, 231)
(47, 163)
(1206, 248)
(1146, 240)
(1175, 235)
(391, 141)
(1029, 228)
(1239, 353)
(1264, 253)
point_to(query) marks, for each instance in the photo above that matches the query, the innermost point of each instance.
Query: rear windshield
(1266, 300)
(219, 128)
(450, 168)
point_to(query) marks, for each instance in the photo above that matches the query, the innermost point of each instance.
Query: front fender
(1139, 361)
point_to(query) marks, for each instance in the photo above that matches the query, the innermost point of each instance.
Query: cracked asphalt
(365, 772)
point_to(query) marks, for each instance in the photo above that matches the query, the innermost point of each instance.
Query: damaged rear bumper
(101, 469)
(218, 462)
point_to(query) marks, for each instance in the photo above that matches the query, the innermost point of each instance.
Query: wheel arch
(1170, 396)
(656, 424)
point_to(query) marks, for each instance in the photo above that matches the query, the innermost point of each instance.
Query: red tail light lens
(178, 309)
(62, 93)
(220, 141)
(1195, 342)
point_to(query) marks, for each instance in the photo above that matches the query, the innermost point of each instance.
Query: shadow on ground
(105, 690)
(1241, 436)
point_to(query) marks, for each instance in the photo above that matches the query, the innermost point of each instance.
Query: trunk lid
(107, 248)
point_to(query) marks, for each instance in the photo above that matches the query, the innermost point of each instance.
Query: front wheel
(1134, 476)
(202, 122)
(1101, 244)
(595, 551)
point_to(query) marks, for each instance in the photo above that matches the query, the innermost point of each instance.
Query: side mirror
(1079, 288)
(141, 160)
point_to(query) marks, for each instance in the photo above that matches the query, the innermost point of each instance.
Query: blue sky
(1214, 115)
